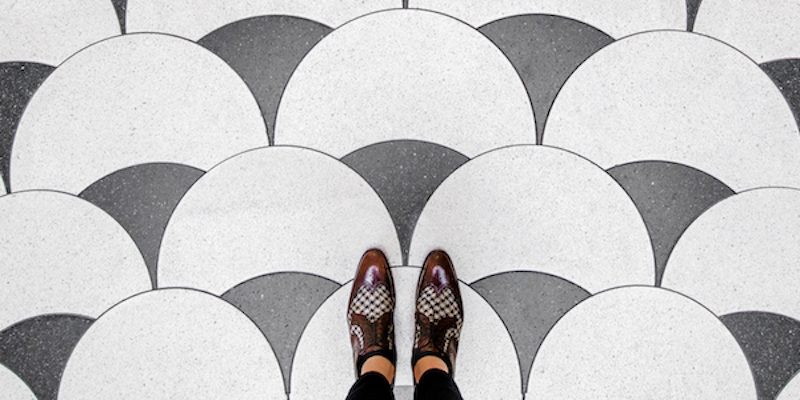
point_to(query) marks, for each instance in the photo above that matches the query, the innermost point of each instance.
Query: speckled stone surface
(120, 7)
(37, 349)
(670, 197)
(529, 303)
(638, 15)
(736, 256)
(679, 97)
(142, 198)
(265, 51)
(771, 343)
(761, 29)
(786, 74)
(545, 50)
(691, 13)
(666, 153)
(131, 100)
(403, 74)
(172, 343)
(50, 32)
(281, 304)
(405, 173)
(18, 82)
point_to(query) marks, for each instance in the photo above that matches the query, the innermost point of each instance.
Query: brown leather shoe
(370, 312)
(440, 312)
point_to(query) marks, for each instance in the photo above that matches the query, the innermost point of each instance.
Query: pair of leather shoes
(439, 312)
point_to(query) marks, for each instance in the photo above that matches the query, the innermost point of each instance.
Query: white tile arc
(740, 254)
(273, 209)
(405, 74)
(194, 20)
(13, 387)
(51, 32)
(679, 97)
(638, 16)
(323, 364)
(173, 343)
(765, 30)
(63, 255)
(537, 208)
(640, 342)
(130, 100)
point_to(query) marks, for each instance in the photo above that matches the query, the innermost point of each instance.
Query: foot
(439, 314)
(370, 313)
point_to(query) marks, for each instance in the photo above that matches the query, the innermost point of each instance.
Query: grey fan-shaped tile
(38, 348)
(771, 343)
(545, 50)
(692, 6)
(786, 75)
(529, 303)
(18, 83)
(669, 196)
(121, 6)
(405, 173)
(265, 51)
(281, 304)
(142, 198)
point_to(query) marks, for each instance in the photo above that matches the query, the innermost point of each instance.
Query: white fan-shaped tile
(273, 209)
(680, 97)
(169, 344)
(194, 20)
(536, 208)
(12, 387)
(130, 100)
(640, 343)
(791, 391)
(405, 74)
(741, 254)
(765, 30)
(50, 32)
(620, 19)
(323, 365)
(61, 254)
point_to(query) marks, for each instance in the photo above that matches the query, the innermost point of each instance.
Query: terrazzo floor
(190, 186)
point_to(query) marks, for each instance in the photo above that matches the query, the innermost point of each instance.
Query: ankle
(381, 365)
(428, 363)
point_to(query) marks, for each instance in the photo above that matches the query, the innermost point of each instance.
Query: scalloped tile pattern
(172, 343)
(37, 349)
(194, 20)
(50, 32)
(63, 255)
(131, 100)
(736, 257)
(402, 74)
(639, 16)
(679, 97)
(537, 208)
(665, 152)
(250, 216)
(644, 343)
(762, 29)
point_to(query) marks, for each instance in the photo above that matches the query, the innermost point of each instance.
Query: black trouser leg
(436, 385)
(371, 386)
